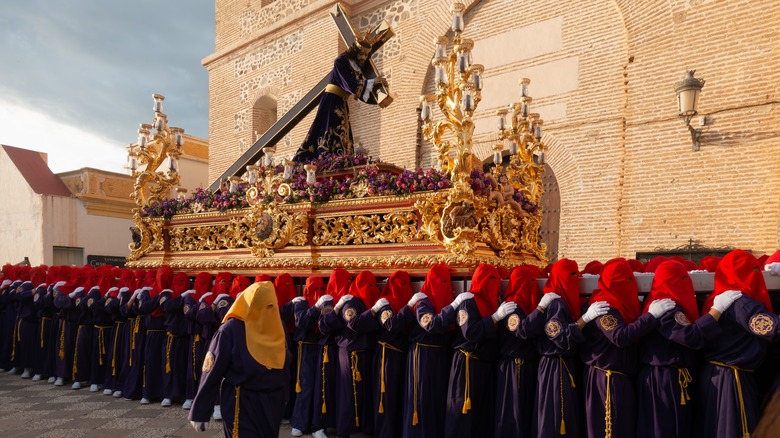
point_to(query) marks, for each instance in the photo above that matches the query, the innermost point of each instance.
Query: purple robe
(427, 365)
(176, 347)
(558, 399)
(471, 389)
(197, 348)
(66, 334)
(154, 346)
(610, 353)
(101, 337)
(135, 329)
(664, 407)
(516, 374)
(330, 132)
(44, 356)
(354, 409)
(82, 358)
(250, 392)
(27, 326)
(389, 370)
(327, 371)
(727, 387)
(117, 345)
(306, 367)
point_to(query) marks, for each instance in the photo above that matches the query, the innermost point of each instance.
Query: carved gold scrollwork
(396, 227)
(501, 229)
(150, 236)
(274, 229)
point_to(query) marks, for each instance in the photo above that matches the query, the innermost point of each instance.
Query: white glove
(342, 301)
(75, 292)
(109, 291)
(504, 310)
(595, 310)
(416, 298)
(198, 426)
(382, 302)
(124, 289)
(547, 299)
(298, 299)
(189, 292)
(320, 302)
(773, 268)
(7, 283)
(461, 298)
(135, 294)
(659, 307)
(207, 294)
(722, 302)
(57, 284)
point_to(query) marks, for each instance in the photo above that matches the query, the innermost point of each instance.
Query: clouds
(93, 65)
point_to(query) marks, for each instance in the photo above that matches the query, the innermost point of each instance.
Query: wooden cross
(304, 106)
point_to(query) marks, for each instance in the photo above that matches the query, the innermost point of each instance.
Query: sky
(77, 76)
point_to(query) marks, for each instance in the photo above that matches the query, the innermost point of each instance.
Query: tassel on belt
(195, 341)
(168, 345)
(118, 327)
(563, 366)
(17, 337)
(43, 329)
(235, 414)
(353, 359)
(684, 379)
(385, 346)
(325, 360)
(608, 402)
(743, 414)
(101, 342)
(76, 353)
(298, 373)
(467, 391)
(416, 374)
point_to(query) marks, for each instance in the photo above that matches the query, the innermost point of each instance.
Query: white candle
(497, 157)
(477, 78)
(468, 102)
(287, 171)
(513, 148)
(461, 63)
(425, 111)
(501, 122)
(457, 22)
(441, 75)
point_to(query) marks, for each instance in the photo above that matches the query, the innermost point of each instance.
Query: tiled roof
(36, 172)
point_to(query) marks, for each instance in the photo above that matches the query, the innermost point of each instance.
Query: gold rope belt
(743, 414)
(62, 340)
(101, 342)
(563, 366)
(519, 361)
(467, 391)
(76, 353)
(16, 337)
(298, 375)
(195, 357)
(235, 414)
(136, 327)
(118, 325)
(608, 402)
(324, 361)
(684, 379)
(168, 345)
(338, 91)
(416, 374)
(385, 346)
(43, 320)
(353, 359)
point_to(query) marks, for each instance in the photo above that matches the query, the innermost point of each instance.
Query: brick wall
(602, 76)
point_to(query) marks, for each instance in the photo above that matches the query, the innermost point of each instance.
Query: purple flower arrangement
(367, 177)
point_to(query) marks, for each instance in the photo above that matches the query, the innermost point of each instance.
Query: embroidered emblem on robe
(463, 317)
(349, 314)
(385, 316)
(608, 322)
(426, 319)
(761, 324)
(552, 328)
(327, 309)
(513, 322)
(681, 319)
(208, 362)
(222, 303)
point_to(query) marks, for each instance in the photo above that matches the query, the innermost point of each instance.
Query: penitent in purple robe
(101, 337)
(471, 390)
(306, 335)
(154, 347)
(611, 358)
(727, 387)
(250, 393)
(82, 357)
(330, 132)
(354, 409)
(66, 334)
(135, 329)
(117, 350)
(427, 363)
(327, 371)
(664, 406)
(516, 374)
(389, 366)
(176, 346)
(27, 328)
(7, 325)
(197, 347)
(44, 355)
(558, 394)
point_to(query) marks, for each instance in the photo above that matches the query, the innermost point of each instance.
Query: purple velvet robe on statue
(427, 363)
(747, 329)
(472, 374)
(330, 132)
(558, 397)
(516, 374)
(664, 407)
(262, 393)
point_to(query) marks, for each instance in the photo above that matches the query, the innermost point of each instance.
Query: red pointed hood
(240, 283)
(710, 263)
(486, 285)
(636, 265)
(523, 289)
(365, 288)
(150, 278)
(654, 263)
(202, 284)
(285, 289)
(222, 283)
(593, 268)
(181, 284)
(262, 277)
(52, 274)
(564, 280)
(138, 279)
(438, 286)
(672, 281)
(617, 286)
(774, 258)
(37, 276)
(739, 271)
(163, 280)
(315, 288)
(339, 283)
(398, 290)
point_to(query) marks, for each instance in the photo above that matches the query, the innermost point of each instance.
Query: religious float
(350, 210)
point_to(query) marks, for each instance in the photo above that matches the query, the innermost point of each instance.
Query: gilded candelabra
(263, 179)
(458, 92)
(157, 143)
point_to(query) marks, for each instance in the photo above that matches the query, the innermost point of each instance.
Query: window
(68, 255)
